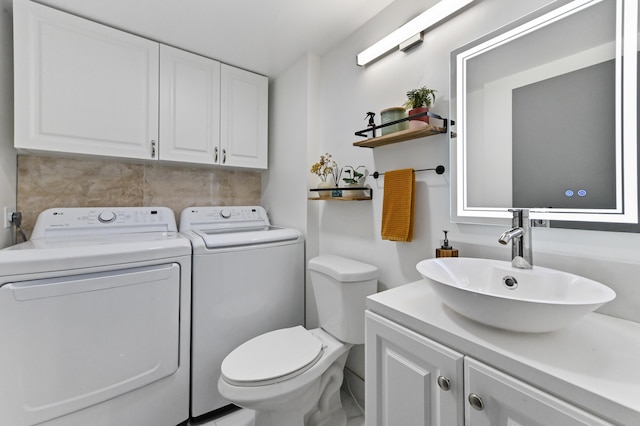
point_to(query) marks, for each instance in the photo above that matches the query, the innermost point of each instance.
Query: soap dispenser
(446, 250)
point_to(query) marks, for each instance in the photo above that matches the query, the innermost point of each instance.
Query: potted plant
(419, 101)
(354, 178)
(324, 169)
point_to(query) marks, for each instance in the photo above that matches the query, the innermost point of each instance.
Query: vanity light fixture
(410, 33)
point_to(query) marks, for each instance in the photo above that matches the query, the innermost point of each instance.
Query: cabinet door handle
(444, 383)
(224, 155)
(153, 149)
(215, 153)
(476, 402)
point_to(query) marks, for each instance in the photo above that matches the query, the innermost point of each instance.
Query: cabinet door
(497, 399)
(189, 107)
(82, 87)
(243, 125)
(410, 380)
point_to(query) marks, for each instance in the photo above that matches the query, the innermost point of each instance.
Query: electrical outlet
(8, 212)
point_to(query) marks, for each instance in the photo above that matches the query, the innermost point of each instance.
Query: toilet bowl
(292, 377)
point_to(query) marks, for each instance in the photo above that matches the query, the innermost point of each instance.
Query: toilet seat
(272, 357)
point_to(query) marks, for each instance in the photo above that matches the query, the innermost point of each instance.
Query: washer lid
(272, 357)
(233, 237)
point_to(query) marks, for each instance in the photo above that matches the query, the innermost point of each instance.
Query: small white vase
(325, 185)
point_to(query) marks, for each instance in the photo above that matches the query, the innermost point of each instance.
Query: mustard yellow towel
(398, 205)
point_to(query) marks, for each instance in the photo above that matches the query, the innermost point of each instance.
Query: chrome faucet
(520, 237)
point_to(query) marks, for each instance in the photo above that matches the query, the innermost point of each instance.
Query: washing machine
(248, 278)
(95, 320)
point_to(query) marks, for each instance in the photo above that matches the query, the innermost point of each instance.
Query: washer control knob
(225, 213)
(107, 217)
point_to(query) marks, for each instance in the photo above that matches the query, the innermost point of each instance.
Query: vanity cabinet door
(82, 87)
(410, 380)
(493, 398)
(189, 107)
(243, 118)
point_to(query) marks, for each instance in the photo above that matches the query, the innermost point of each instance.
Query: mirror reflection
(540, 116)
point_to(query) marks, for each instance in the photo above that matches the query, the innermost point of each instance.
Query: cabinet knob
(224, 156)
(444, 383)
(215, 151)
(153, 149)
(476, 402)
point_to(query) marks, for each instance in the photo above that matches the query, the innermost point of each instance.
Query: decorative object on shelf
(325, 185)
(419, 101)
(354, 175)
(324, 169)
(392, 114)
(353, 180)
(336, 173)
(371, 117)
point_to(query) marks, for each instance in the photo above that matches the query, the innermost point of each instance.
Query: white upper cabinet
(87, 89)
(189, 107)
(243, 122)
(82, 87)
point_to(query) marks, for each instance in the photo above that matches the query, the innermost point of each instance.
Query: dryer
(248, 278)
(95, 320)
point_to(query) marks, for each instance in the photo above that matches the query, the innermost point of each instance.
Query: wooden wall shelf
(401, 136)
(366, 197)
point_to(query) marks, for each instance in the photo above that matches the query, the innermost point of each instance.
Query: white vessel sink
(527, 300)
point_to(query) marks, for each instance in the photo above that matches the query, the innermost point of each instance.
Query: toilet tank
(340, 286)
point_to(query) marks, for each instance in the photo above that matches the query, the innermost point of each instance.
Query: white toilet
(292, 376)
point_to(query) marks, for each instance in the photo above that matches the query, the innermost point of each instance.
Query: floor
(355, 417)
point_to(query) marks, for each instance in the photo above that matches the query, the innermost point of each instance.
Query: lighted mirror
(542, 119)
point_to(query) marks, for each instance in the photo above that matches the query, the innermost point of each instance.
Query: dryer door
(74, 341)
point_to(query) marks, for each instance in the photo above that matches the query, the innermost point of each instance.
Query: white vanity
(428, 365)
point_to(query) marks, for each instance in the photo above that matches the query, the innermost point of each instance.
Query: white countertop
(594, 363)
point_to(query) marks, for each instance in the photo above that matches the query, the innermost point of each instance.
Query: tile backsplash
(45, 182)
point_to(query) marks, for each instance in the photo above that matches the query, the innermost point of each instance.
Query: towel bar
(439, 170)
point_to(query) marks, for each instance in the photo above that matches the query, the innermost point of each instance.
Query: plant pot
(352, 193)
(419, 122)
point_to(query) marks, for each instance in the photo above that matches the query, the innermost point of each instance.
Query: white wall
(348, 92)
(288, 145)
(8, 159)
(293, 137)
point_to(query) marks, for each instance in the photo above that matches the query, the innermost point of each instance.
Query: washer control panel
(223, 217)
(88, 220)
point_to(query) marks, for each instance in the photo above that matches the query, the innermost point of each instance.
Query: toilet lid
(272, 357)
